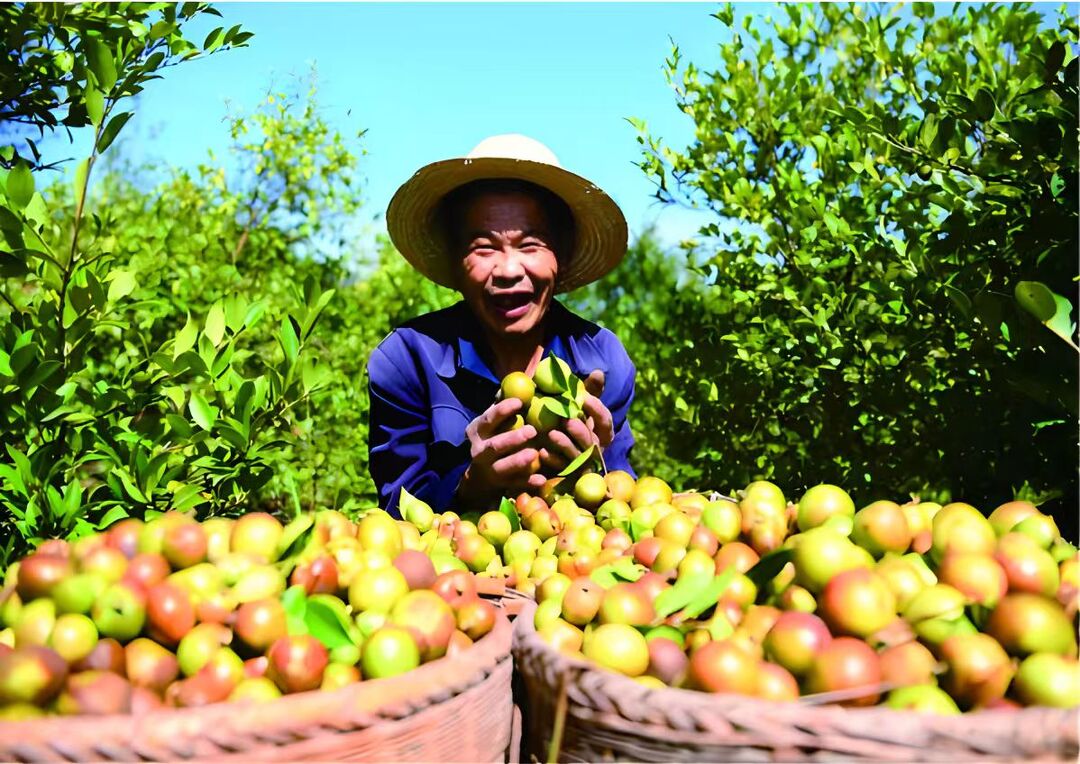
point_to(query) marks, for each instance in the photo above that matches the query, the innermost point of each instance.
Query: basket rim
(293, 717)
(699, 712)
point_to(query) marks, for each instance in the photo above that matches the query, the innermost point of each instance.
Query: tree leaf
(684, 591)
(185, 338)
(202, 412)
(101, 63)
(327, 621)
(294, 601)
(509, 509)
(290, 343)
(295, 537)
(20, 185)
(116, 124)
(1037, 299)
(767, 568)
(121, 284)
(215, 324)
(708, 596)
(578, 462)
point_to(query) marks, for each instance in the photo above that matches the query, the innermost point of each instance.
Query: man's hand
(501, 461)
(562, 447)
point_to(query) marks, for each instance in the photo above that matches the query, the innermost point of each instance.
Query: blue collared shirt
(432, 376)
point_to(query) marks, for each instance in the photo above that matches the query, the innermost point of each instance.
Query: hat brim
(600, 228)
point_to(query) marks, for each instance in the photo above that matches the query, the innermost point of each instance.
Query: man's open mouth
(511, 304)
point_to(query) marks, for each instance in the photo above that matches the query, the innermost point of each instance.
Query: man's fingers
(536, 481)
(488, 423)
(562, 445)
(517, 463)
(594, 383)
(601, 420)
(499, 445)
(552, 462)
(580, 433)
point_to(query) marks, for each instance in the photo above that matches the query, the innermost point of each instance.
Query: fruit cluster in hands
(916, 606)
(177, 613)
(549, 397)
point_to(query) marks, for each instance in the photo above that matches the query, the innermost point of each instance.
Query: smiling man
(508, 228)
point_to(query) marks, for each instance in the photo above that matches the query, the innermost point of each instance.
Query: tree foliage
(890, 267)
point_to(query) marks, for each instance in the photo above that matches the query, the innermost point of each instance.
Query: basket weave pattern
(612, 718)
(453, 709)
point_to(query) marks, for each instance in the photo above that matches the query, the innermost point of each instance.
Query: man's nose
(509, 265)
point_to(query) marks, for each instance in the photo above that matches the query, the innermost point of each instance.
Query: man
(508, 228)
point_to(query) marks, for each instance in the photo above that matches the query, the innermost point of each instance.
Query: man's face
(508, 266)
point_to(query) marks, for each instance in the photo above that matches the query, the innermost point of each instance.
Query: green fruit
(821, 554)
(546, 612)
(822, 502)
(540, 416)
(31, 674)
(590, 490)
(618, 647)
(379, 589)
(36, 621)
(936, 613)
(722, 518)
(73, 637)
(1048, 679)
(1029, 623)
(199, 645)
(390, 651)
(255, 690)
(521, 546)
(926, 698)
(518, 385)
(666, 632)
(548, 379)
(259, 583)
(76, 594)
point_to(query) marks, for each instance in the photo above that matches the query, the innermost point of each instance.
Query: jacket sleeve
(618, 394)
(399, 432)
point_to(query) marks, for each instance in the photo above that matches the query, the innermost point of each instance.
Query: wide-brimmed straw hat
(600, 228)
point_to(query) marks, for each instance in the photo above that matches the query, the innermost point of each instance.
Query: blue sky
(428, 81)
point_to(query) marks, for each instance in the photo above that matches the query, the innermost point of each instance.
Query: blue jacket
(432, 376)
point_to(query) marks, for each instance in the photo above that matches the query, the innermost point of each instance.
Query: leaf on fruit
(508, 508)
(637, 528)
(327, 621)
(720, 627)
(769, 566)
(709, 595)
(294, 600)
(557, 374)
(579, 462)
(558, 406)
(295, 537)
(628, 570)
(685, 590)
(604, 575)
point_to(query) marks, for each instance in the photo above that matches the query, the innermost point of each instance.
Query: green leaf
(295, 537)
(557, 406)
(685, 590)
(185, 338)
(202, 412)
(326, 620)
(294, 601)
(720, 627)
(626, 569)
(110, 517)
(1057, 185)
(121, 284)
(579, 462)
(116, 124)
(1037, 299)
(20, 185)
(95, 104)
(509, 509)
(709, 595)
(290, 343)
(1060, 323)
(101, 63)
(1055, 57)
(984, 105)
(604, 575)
(215, 324)
(767, 568)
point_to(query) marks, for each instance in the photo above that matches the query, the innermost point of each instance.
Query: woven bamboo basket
(597, 715)
(452, 709)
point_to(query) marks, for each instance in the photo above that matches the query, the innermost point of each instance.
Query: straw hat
(601, 233)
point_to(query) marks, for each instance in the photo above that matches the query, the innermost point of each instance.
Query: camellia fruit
(795, 639)
(297, 663)
(846, 663)
(389, 651)
(881, 527)
(618, 647)
(723, 666)
(1048, 679)
(1027, 623)
(822, 502)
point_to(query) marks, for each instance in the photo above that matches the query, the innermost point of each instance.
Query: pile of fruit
(918, 606)
(179, 613)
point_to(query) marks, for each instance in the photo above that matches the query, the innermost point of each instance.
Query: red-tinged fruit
(625, 603)
(95, 693)
(39, 573)
(108, 563)
(73, 637)
(1028, 623)
(1005, 517)
(297, 663)
(776, 683)
(456, 587)
(959, 527)
(417, 568)
(846, 663)
(667, 661)
(1027, 566)
(169, 613)
(979, 577)
(199, 645)
(389, 651)
(979, 670)
(909, 663)
(737, 555)
(260, 623)
(32, 674)
(184, 545)
(254, 690)
(476, 618)
(320, 576)
(148, 664)
(795, 639)
(146, 569)
(724, 666)
(429, 618)
(881, 527)
(107, 655)
(581, 603)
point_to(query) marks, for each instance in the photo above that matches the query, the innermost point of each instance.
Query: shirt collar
(471, 345)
